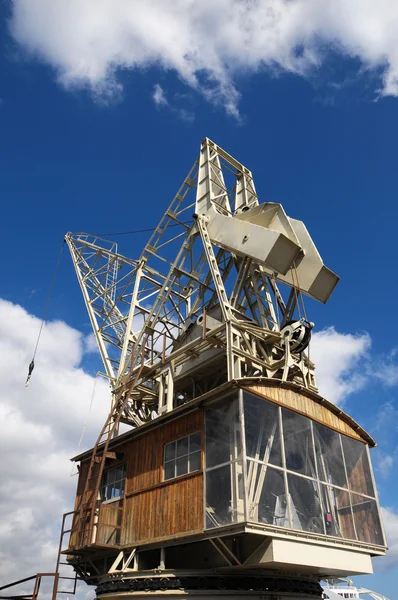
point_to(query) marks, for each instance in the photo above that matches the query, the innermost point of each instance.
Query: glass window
(182, 465)
(223, 433)
(367, 522)
(170, 451)
(305, 504)
(337, 512)
(329, 456)
(113, 482)
(182, 447)
(266, 494)
(262, 430)
(299, 448)
(183, 456)
(194, 461)
(195, 442)
(328, 475)
(224, 495)
(358, 468)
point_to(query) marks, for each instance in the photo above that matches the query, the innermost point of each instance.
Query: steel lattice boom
(216, 290)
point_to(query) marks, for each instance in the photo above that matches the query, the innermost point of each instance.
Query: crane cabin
(220, 469)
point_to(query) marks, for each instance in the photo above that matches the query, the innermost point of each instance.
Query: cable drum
(297, 334)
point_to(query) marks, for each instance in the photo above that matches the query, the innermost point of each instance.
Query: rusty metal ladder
(99, 455)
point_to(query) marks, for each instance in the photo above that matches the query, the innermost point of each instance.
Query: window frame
(187, 454)
(103, 486)
(321, 484)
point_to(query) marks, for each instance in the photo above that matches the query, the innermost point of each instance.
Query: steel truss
(190, 301)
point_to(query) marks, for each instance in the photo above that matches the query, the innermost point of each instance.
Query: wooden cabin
(256, 473)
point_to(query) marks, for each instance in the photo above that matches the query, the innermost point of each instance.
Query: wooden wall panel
(144, 455)
(152, 508)
(305, 405)
(344, 514)
(155, 508)
(109, 523)
(167, 510)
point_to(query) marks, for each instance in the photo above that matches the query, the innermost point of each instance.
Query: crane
(216, 262)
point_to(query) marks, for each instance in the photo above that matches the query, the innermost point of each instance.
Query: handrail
(33, 596)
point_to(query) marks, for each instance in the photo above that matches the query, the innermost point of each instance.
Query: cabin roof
(248, 382)
(222, 390)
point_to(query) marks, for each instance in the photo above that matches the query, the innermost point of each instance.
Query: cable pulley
(297, 335)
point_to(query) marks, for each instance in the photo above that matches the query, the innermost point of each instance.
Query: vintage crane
(219, 257)
(235, 477)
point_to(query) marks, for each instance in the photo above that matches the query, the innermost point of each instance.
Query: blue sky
(104, 151)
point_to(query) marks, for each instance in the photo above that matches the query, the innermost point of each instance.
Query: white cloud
(385, 425)
(386, 368)
(337, 358)
(90, 344)
(159, 97)
(41, 425)
(206, 43)
(390, 520)
(384, 464)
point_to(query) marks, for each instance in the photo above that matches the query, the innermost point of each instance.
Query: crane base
(261, 587)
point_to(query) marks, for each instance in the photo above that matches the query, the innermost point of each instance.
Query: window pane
(110, 475)
(195, 442)
(358, 469)
(113, 482)
(170, 451)
(367, 522)
(118, 473)
(182, 465)
(169, 469)
(262, 430)
(223, 436)
(329, 455)
(224, 495)
(194, 461)
(305, 504)
(105, 478)
(182, 446)
(117, 489)
(298, 443)
(266, 495)
(337, 512)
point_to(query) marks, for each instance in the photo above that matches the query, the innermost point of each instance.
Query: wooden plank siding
(144, 455)
(164, 511)
(157, 509)
(304, 405)
(152, 508)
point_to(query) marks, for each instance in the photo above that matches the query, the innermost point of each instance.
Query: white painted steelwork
(205, 287)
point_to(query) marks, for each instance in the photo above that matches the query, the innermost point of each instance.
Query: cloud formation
(159, 96)
(390, 520)
(161, 101)
(337, 358)
(41, 425)
(207, 44)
